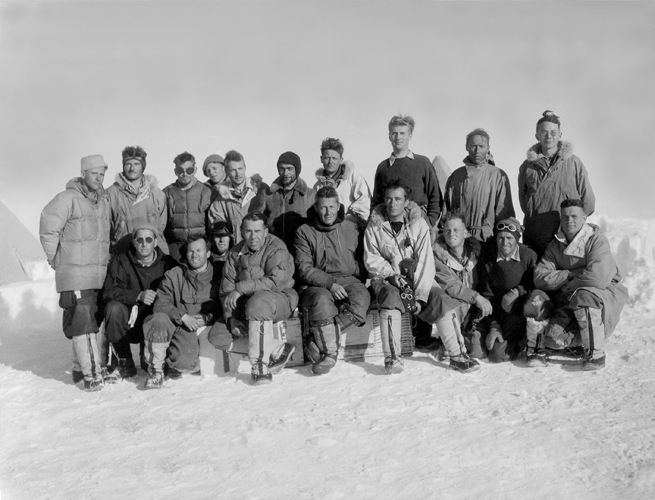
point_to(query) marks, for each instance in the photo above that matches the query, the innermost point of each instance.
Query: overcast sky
(264, 77)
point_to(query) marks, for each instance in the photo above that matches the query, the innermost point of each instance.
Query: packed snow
(504, 432)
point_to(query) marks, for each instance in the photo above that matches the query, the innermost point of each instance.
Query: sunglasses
(510, 227)
(147, 240)
(188, 170)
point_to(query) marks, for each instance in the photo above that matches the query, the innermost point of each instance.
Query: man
(412, 170)
(506, 280)
(221, 233)
(579, 272)
(550, 175)
(236, 195)
(214, 169)
(187, 302)
(135, 196)
(74, 232)
(188, 201)
(129, 293)
(257, 287)
(479, 189)
(286, 201)
(328, 262)
(353, 190)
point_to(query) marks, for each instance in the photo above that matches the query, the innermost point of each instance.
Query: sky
(264, 77)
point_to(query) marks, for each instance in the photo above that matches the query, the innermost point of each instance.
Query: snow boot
(311, 351)
(325, 363)
(535, 331)
(86, 351)
(260, 374)
(155, 380)
(473, 334)
(451, 336)
(390, 325)
(394, 365)
(326, 338)
(592, 332)
(155, 355)
(279, 359)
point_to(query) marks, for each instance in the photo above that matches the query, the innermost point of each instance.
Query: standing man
(479, 189)
(74, 231)
(257, 287)
(328, 260)
(188, 201)
(214, 169)
(412, 170)
(234, 196)
(135, 196)
(550, 175)
(579, 270)
(286, 201)
(352, 188)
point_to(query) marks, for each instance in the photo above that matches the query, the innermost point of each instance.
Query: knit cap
(509, 225)
(143, 224)
(291, 158)
(93, 161)
(212, 159)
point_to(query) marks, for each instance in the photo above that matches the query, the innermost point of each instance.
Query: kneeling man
(257, 287)
(579, 268)
(329, 269)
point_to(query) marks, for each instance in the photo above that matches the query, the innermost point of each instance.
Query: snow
(503, 432)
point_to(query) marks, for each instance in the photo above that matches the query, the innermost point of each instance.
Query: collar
(515, 256)
(393, 158)
(578, 245)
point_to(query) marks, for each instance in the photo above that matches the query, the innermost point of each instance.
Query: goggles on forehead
(508, 227)
(147, 239)
(188, 170)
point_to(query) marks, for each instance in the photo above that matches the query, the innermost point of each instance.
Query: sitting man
(328, 263)
(129, 292)
(506, 279)
(582, 277)
(257, 287)
(187, 301)
(221, 233)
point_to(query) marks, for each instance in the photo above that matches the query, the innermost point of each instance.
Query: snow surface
(504, 432)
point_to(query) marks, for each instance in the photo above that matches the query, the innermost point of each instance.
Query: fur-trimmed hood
(379, 214)
(300, 186)
(472, 249)
(224, 192)
(564, 149)
(349, 168)
(314, 221)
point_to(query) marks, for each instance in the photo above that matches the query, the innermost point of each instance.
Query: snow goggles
(508, 227)
(147, 239)
(188, 170)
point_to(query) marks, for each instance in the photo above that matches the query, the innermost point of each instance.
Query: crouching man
(333, 295)
(257, 288)
(129, 293)
(579, 269)
(187, 301)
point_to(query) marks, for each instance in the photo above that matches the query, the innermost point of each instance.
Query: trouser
(80, 312)
(564, 322)
(85, 349)
(450, 332)
(117, 330)
(390, 333)
(321, 304)
(592, 330)
(165, 341)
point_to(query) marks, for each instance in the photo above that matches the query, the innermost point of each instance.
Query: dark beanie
(290, 158)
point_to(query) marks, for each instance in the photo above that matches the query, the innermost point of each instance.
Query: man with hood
(74, 233)
(236, 194)
(329, 268)
(550, 175)
(286, 201)
(135, 196)
(479, 189)
(352, 188)
(129, 293)
(188, 201)
(214, 169)
(581, 276)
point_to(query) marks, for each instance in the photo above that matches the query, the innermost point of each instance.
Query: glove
(508, 300)
(493, 336)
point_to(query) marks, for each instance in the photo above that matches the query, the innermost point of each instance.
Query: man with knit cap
(188, 201)
(135, 196)
(74, 232)
(214, 169)
(129, 293)
(286, 201)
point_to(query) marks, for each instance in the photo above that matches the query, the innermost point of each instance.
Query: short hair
(193, 238)
(398, 185)
(327, 192)
(181, 159)
(333, 144)
(549, 116)
(255, 216)
(233, 155)
(134, 152)
(402, 120)
(478, 131)
(572, 202)
(454, 215)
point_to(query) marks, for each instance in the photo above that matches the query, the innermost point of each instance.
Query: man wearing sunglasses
(129, 293)
(188, 201)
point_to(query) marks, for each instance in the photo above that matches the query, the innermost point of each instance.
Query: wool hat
(93, 161)
(143, 224)
(509, 225)
(291, 158)
(222, 228)
(212, 159)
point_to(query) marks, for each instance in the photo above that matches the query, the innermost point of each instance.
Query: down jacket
(458, 278)
(187, 211)
(353, 190)
(74, 232)
(384, 250)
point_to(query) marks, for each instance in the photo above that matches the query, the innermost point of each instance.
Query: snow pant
(166, 341)
(513, 329)
(321, 305)
(390, 333)
(592, 330)
(85, 349)
(388, 297)
(80, 313)
(261, 310)
(564, 324)
(450, 332)
(117, 330)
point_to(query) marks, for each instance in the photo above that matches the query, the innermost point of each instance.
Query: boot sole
(262, 381)
(471, 369)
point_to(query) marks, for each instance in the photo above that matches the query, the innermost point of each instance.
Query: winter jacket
(384, 250)
(231, 206)
(323, 254)
(74, 232)
(183, 291)
(286, 210)
(482, 193)
(268, 269)
(584, 264)
(417, 173)
(459, 279)
(542, 190)
(127, 278)
(353, 191)
(187, 212)
(129, 204)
